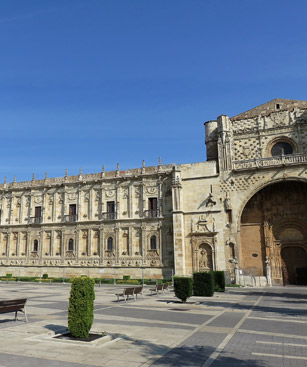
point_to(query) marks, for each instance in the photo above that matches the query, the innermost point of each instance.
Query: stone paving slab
(243, 327)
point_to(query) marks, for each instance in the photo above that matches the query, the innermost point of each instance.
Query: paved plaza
(241, 327)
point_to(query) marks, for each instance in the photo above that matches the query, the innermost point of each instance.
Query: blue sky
(91, 82)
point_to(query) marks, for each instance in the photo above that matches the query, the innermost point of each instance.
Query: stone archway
(274, 219)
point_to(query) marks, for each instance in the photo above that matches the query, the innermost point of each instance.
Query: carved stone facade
(242, 211)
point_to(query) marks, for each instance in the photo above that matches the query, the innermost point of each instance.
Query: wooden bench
(165, 287)
(126, 293)
(138, 290)
(14, 305)
(157, 289)
(130, 291)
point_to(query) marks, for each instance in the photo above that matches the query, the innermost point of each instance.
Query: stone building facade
(242, 211)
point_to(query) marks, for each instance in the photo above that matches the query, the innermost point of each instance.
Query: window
(110, 244)
(152, 208)
(71, 245)
(153, 242)
(35, 246)
(281, 148)
(72, 209)
(38, 211)
(152, 204)
(110, 207)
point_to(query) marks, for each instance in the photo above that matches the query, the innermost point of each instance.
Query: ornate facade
(242, 211)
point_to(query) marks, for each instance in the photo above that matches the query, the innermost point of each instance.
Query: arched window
(71, 245)
(153, 243)
(35, 246)
(281, 148)
(110, 244)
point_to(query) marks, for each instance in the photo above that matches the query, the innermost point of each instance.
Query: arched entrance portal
(274, 232)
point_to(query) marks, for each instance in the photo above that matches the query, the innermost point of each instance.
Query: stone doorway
(272, 221)
(294, 265)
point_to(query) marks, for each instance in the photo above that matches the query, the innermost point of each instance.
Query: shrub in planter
(203, 284)
(183, 288)
(45, 276)
(8, 275)
(219, 281)
(126, 277)
(81, 307)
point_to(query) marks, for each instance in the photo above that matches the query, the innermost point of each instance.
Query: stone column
(52, 243)
(130, 202)
(117, 202)
(130, 241)
(117, 245)
(143, 206)
(18, 244)
(143, 245)
(90, 204)
(77, 239)
(89, 242)
(43, 214)
(11, 209)
(64, 209)
(160, 198)
(8, 243)
(54, 217)
(41, 244)
(178, 224)
(160, 244)
(62, 249)
(101, 242)
(28, 245)
(21, 218)
(79, 204)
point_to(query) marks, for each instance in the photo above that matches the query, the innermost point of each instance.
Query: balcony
(35, 220)
(70, 218)
(108, 216)
(151, 213)
(278, 161)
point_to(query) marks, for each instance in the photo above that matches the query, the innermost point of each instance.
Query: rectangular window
(152, 204)
(38, 211)
(110, 206)
(72, 209)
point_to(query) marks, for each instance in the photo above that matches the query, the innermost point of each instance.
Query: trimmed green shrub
(8, 275)
(27, 279)
(81, 307)
(10, 279)
(60, 280)
(126, 277)
(131, 281)
(219, 281)
(45, 276)
(183, 288)
(203, 284)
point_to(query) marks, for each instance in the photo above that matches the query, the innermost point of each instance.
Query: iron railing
(108, 216)
(70, 218)
(35, 220)
(151, 213)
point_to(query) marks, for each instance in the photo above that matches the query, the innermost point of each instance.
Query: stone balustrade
(259, 163)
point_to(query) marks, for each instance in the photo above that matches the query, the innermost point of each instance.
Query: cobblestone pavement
(242, 327)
